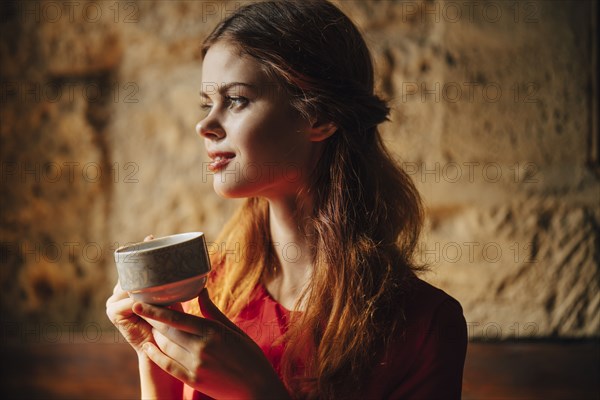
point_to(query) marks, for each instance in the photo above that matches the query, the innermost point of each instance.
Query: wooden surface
(492, 371)
(565, 371)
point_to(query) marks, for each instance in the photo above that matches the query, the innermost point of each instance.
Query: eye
(204, 110)
(236, 102)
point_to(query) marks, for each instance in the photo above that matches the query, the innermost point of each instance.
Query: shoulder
(425, 301)
(428, 295)
(432, 314)
(426, 359)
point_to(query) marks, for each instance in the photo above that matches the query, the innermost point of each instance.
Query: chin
(245, 189)
(232, 191)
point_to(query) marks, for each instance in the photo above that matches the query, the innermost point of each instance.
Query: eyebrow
(222, 88)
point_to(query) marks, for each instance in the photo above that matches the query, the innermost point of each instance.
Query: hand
(210, 354)
(133, 328)
(154, 382)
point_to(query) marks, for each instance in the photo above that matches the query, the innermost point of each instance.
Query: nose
(210, 128)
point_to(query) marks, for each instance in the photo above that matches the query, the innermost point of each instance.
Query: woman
(315, 277)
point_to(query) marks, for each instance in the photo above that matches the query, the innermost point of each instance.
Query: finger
(176, 307)
(118, 295)
(117, 298)
(181, 346)
(119, 310)
(149, 238)
(166, 363)
(173, 348)
(183, 338)
(211, 311)
(194, 342)
(160, 326)
(176, 319)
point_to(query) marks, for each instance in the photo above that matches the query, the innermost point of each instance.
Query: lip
(220, 159)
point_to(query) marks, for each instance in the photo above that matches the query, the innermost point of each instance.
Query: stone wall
(492, 116)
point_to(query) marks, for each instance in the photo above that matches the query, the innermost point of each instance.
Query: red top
(426, 363)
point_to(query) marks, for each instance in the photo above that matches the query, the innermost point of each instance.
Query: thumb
(210, 311)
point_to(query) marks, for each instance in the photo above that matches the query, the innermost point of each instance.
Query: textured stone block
(491, 116)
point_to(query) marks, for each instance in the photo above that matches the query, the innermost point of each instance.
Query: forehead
(223, 64)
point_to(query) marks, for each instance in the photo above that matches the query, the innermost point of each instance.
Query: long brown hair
(367, 214)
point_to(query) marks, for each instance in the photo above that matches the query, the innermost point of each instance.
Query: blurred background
(495, 117)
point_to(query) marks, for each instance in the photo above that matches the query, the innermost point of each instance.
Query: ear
(320, 131)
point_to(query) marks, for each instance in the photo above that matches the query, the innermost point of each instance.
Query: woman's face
(258, 144)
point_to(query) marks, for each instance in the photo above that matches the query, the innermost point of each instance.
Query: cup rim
(138, 246)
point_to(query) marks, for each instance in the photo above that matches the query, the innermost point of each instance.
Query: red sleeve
(438, 367)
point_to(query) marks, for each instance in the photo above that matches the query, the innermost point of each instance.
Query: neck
(289, 233)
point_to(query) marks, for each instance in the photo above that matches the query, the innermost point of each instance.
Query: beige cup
(165, 270)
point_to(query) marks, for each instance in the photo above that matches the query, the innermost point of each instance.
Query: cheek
(268, 135)
(264, 138)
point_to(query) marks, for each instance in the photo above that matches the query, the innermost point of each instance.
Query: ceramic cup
(165, 270)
